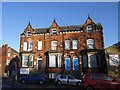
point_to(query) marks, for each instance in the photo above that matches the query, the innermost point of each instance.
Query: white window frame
(28, 33)
(23, 61)
(59, 61)
(52, 61)
(31, 58)
(89, 28)
(53, 45)
(75, 44)
(54, 31)
(39, 45)
(25, 46)
(90, 44)
(8, 54)
(67, 44)
(30, 46)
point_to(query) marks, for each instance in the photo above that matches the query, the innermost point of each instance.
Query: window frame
(54, 31)
(68, 67)
(40, 45)
(89, 28)
(67, 44)
(74, 44)
(89, 44)
(74, 63)
(53, 46)
(28, 33)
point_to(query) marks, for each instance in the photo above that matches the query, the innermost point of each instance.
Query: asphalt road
(7, 84)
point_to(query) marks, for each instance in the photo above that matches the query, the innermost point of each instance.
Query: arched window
(75, 63)
(67, 63)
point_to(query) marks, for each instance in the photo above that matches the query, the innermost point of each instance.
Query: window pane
(90, 43)
(31, 61)
(92, 60)
(59, 61)
(67, 44)
(76, 66)
(30, 46)
(54, 31)
(25, 46)
(8, 54)
(28, 34)
(52, 61)
(68, 64)
(54, 45)
(39, 45)
(89, 28)
(75, 44)
(25, 61)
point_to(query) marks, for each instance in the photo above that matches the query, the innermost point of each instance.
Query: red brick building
(6, 55)
(57, 49)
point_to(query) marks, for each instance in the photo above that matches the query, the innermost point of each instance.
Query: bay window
(25, 61)
(52, 61)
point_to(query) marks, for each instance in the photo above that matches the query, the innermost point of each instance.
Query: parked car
(67, 79)
(99, 81)
(33, 78)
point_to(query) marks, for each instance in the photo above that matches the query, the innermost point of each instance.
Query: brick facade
(59, 35)
(7, 54)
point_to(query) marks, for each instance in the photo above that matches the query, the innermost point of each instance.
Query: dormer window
(28, 34)
(54, 31)
(89, 28)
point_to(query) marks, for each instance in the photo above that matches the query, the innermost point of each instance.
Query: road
(7, 84)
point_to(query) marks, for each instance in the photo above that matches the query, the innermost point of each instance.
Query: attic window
(28, 34)
(54, 31)
(89, 28)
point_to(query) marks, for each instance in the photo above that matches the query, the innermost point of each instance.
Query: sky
(16, 16)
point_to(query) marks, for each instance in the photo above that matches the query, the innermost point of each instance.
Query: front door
(39, 64)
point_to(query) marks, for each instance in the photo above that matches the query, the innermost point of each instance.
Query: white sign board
(24, 71)
(114, 60)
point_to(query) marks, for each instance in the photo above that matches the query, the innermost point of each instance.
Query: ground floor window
(27, 61)
(67, 63)
(52, 61)
(92, 61)
(75, 63)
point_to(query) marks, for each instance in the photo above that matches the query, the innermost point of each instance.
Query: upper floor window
(90, 43)
(27, 46)
(74, 44)
(54, 45)
(54, 31)
(28, 33)
(8, 54)
(39, 45)
(89, 28)
(67, 44)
